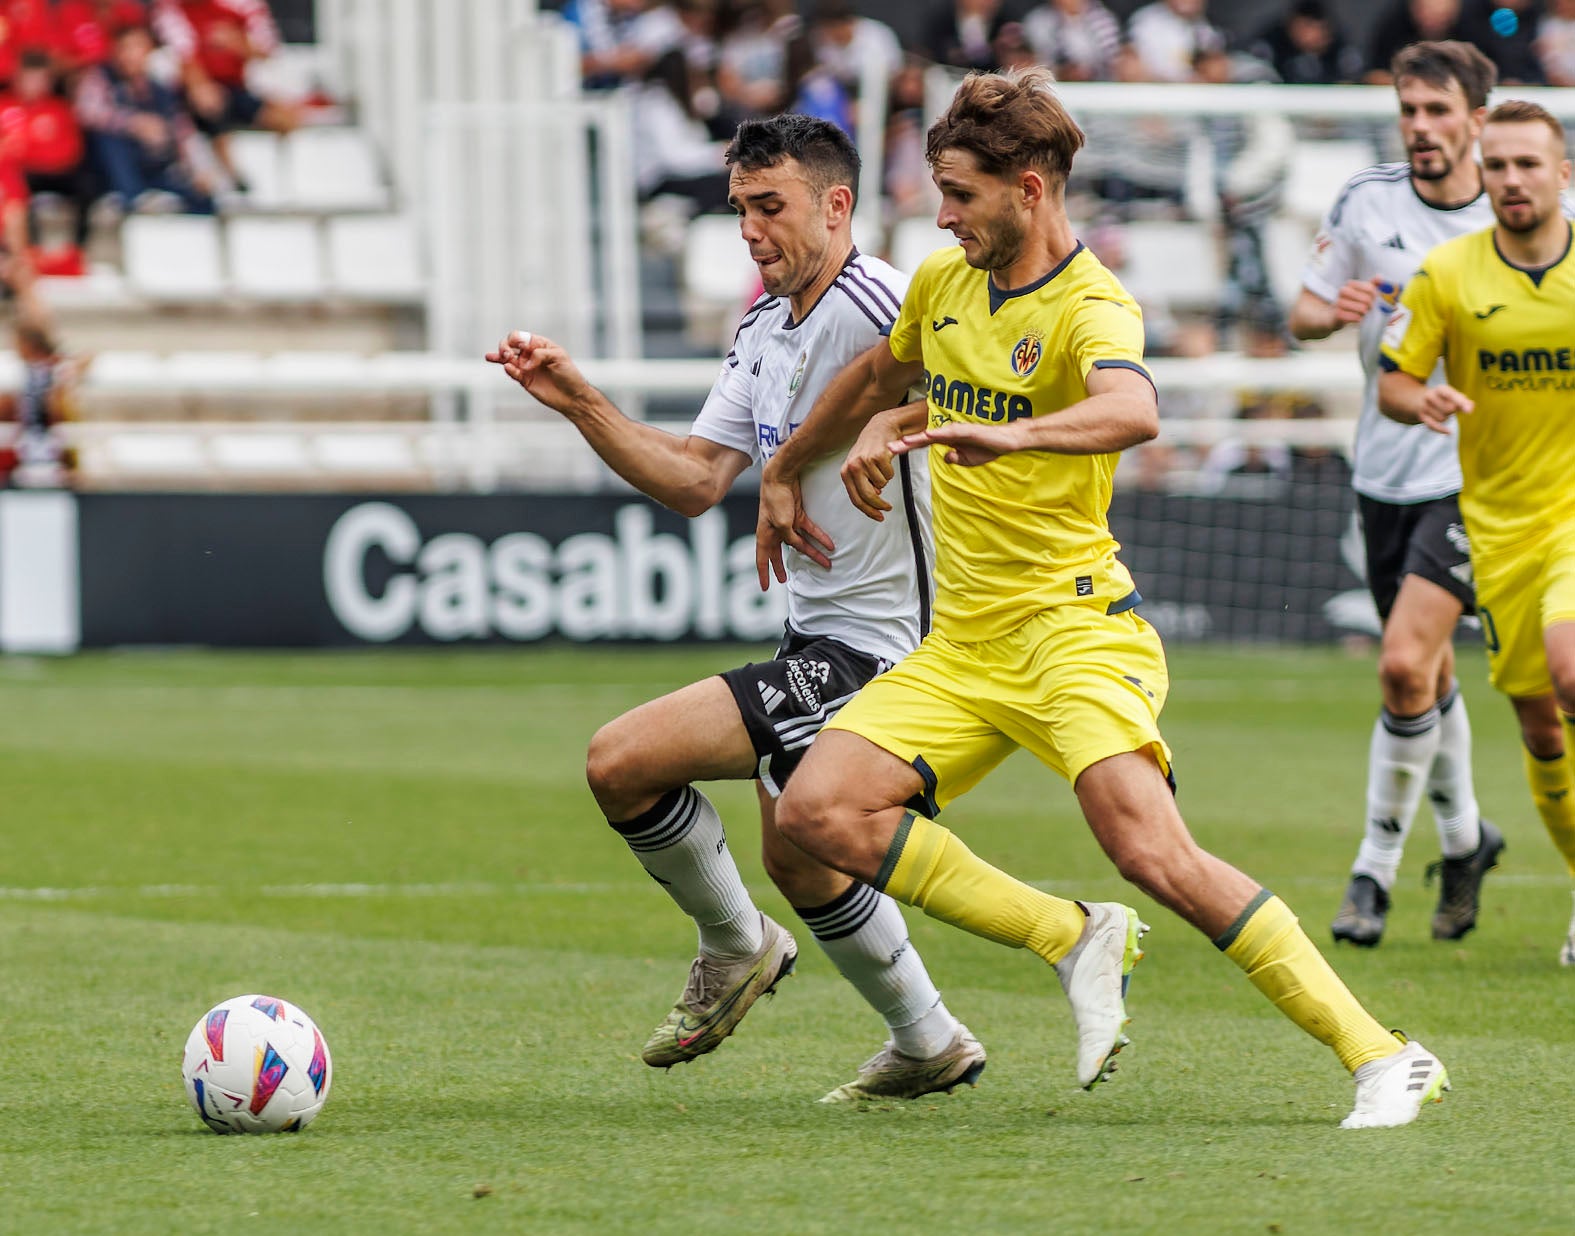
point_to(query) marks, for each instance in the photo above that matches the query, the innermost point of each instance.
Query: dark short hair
(1451, 60)
(824, 151)
(35, 58)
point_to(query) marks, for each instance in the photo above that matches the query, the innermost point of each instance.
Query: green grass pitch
(403, 845)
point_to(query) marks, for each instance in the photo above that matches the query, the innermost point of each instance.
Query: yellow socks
(1267, 942)
(930, 868)
(1551, 783)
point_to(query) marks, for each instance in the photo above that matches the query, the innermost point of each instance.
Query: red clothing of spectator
(25, 24)
(195, 29)
(86, 28)
(13, 185)
(40, 136)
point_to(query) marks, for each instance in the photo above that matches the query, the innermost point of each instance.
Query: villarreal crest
(1026, 353)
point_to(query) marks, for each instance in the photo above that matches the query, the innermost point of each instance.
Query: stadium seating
(375, 257)
(332, 169)
(1317, 171)
(275, 259)
(173, 257)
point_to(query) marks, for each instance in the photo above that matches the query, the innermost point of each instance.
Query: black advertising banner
(318, 570)
(312, 570)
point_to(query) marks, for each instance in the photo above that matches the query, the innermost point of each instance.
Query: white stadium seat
(1175, 264)
(173, 257)
(276, 259)
(1287, 243)
(1317, 172)
(258, 158)
(913, 240)
(375, 257)
(717, 269)
(332, 169)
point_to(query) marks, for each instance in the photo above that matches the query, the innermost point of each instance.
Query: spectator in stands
(1251, 160)
(1506, 32)
(24, 24)
(1411, 21)
(842, 43)
(18, 271)
(40, 134)
(215, 40)
(139, 132)
(675, 155)
(1168, 37)
(1079, 39)
(760, 59)
(86, 29)
(1305, 47)
(909, 186)
(1556, 43)
(962, 33)
(621, 40)
(39, 456)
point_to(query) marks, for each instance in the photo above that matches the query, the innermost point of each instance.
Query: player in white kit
(792, 184)
(1407, 481)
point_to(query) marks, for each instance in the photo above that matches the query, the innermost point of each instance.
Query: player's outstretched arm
(688, 475)
(1121, 410)
(1411, 401)
(872, 382)
(1313, 317)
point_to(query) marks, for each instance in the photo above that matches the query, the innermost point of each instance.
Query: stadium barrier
(1258, 562)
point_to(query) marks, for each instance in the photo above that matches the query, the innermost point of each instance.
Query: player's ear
(839, 203)
(1031, 185)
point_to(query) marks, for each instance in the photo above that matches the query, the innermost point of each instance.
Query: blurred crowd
(108, 107)
(116, 106)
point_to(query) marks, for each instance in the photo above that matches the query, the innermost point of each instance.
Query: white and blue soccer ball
(257, 1064)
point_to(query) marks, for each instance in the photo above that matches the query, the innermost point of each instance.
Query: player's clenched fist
(1355, 298)
(1439, 404)
(543, 368)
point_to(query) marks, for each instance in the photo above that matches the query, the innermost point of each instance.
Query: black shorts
(785, 701)
(1416, 538)
(241, 109)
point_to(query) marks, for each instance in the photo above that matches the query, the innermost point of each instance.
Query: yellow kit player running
(1499, 307)
(1031, 356)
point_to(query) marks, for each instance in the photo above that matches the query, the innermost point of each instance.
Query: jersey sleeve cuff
(1126, 364)
(1319, 287)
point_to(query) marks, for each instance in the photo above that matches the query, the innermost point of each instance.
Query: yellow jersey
(1507, 338)
(1029, 530)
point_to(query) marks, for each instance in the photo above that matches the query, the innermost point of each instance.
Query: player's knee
(612, 773)
(807, 819)
(1409, 684)
(1563, 673)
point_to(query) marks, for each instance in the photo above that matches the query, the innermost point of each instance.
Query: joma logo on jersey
(980, 401)
(1527, 360)
(1026, 353)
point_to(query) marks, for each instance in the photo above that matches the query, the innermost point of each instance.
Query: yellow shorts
(1073, 685)
(1519, 595)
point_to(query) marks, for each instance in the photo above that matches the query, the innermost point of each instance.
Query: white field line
(350, 892)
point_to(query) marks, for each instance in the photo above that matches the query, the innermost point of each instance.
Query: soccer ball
(256, 1064)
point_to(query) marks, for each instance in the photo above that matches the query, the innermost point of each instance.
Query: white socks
(864, 934)
(1399, 759)
(681, 843)
(1450, 787)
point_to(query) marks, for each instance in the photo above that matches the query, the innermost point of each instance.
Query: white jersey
(876, 596)
(1380, 226)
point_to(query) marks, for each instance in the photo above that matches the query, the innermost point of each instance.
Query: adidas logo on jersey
(769, 695)
(1394, 242)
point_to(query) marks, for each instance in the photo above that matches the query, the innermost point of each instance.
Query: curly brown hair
(1009, 122)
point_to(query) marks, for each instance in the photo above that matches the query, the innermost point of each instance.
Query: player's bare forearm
(1312, 317)
(1400, 397)
(871, 383)
(685, 475)
(1098, 425)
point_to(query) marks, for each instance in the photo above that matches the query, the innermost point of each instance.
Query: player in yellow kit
(1499, 307)
(1030, 352)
